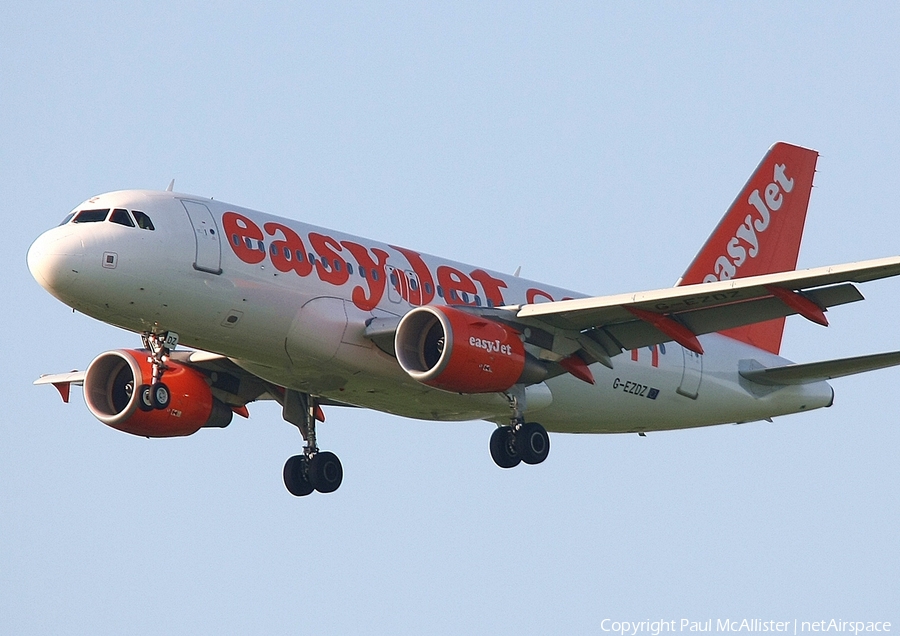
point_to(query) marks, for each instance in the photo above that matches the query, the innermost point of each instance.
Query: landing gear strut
(314, 469)
(520, 441)
(156, 394)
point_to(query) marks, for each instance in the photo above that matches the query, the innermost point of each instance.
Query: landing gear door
(208, 257)
(693, 373)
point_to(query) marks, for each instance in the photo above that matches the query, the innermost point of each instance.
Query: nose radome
(55, 259)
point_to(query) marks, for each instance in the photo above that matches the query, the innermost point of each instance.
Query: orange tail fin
(760, 233)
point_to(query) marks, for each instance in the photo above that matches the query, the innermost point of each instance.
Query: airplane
(273, 308)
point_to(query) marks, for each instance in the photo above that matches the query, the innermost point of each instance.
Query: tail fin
(760, 233)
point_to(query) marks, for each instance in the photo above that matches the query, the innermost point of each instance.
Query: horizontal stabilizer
(820, 371)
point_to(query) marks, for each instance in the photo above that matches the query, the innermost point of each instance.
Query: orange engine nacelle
(456, 351)
(110, 391)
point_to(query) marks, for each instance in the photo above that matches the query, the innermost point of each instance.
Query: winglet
(761, 232)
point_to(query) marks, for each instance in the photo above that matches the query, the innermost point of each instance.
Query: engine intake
(456, 351)
(110, 392)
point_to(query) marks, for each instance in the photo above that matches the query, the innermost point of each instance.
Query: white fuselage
(231, 282)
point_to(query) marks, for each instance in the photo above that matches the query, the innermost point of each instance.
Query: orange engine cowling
(110, 385)
(453, 350)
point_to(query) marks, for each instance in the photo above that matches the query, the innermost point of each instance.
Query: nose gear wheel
(156, 395)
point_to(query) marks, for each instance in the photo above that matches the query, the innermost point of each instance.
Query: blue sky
(596, 145)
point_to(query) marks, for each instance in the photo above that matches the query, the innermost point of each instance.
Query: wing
(229, 382)
(630, 321)
(62, 382)
(598, 328)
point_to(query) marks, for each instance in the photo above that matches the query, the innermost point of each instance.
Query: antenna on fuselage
(518, 271)
(171, 185)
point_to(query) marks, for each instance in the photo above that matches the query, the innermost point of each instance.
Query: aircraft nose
(55, 259)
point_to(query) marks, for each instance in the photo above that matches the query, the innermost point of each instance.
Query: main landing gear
(520, 441)
(314, 469)
(156, 395)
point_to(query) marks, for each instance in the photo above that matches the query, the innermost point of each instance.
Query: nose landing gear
(156, 395)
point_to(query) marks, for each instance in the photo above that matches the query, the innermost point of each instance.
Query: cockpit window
(143, 220)
(91, 216)
(68, 218)
(121, 217)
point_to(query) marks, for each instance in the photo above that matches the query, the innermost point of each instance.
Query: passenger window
(428, 288)
(121, 217)
(143, 221)
(299, 256)
(349, 267)
(91, 216)
(337, 265)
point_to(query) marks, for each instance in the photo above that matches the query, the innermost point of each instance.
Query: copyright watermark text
(748, 625)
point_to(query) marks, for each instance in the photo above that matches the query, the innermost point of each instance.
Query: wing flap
(820, 371)
(636, 334)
